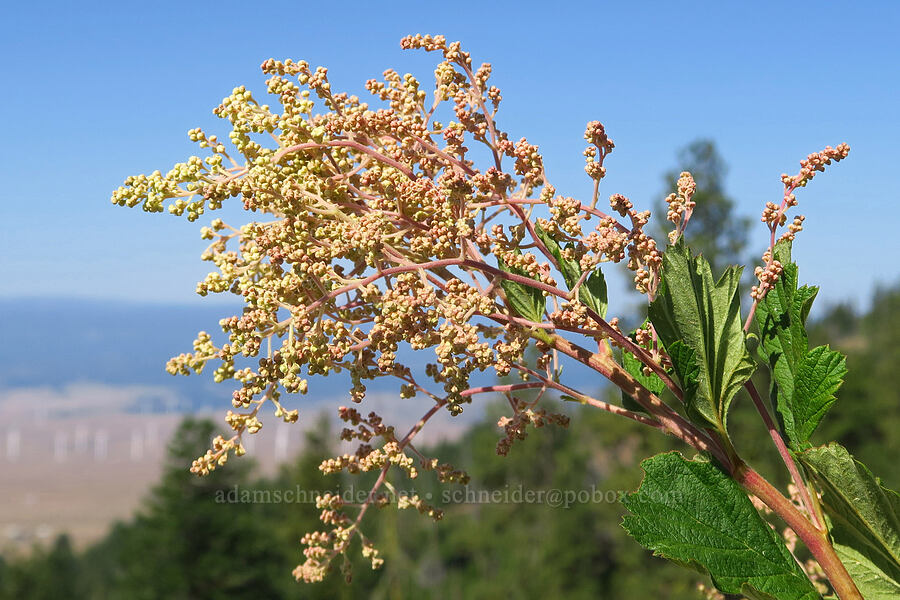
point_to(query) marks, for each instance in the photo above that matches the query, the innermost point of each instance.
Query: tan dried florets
(423, 507)
(516, 427)
(446, 472)
(217, 455)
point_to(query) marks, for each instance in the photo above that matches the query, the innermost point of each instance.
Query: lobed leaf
(694, 514)
(592, 292)
(704, 315)
(873, 583)
(865, 519)
(804, 381)
(818, 377)
(687, 371)
(636, 369)
(527, 301)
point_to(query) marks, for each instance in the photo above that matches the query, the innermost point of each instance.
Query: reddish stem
(512, 387)
(671, 420)
(785, 454)
(813, 538)
(583, 208)
(773, 227)
(610, 408)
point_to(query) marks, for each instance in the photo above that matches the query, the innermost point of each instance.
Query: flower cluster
(381, 231)
(775, 216)
(516, 427)
(600, 147)
(374, 214)
(766, 276)
(815, 163)
(681, 205)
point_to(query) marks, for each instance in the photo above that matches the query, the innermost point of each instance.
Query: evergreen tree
(186, 542)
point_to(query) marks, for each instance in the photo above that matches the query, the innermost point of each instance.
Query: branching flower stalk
(775, 216)
(385, 231)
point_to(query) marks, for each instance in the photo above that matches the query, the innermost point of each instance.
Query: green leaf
(569, 268)
(804, 381)
(592, 292)
(865, 519)
(636, 368)
(817, 379)
(696, 515)
(687, 371)
(783, 251)
(527, 301)
(752, 594)
(557, 373)
(873, 583)
(705, 315)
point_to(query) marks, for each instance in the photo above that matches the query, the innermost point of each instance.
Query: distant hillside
(86, 409)
(49, 342)
(57, 342)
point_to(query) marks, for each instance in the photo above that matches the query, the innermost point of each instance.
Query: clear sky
(93, 92)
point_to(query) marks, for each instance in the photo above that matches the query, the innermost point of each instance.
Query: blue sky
(94, 92)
